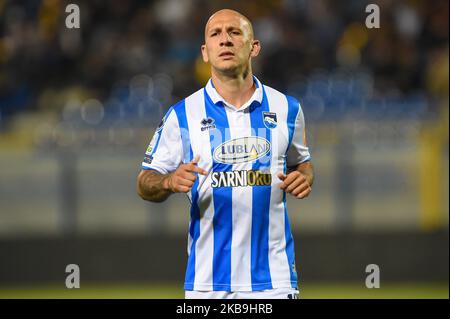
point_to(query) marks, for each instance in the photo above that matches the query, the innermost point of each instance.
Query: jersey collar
(216, 98)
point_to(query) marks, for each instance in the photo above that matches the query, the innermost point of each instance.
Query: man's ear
(256, 47)
(204, 53)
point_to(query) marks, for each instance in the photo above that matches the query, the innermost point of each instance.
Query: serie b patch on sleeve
(148, 159)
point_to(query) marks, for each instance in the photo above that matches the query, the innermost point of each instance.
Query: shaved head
(229, 44)
(228, 13)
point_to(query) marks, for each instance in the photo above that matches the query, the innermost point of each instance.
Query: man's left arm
(299, 177)
(298, 182)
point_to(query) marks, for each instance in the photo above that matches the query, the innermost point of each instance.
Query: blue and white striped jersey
(239, 235)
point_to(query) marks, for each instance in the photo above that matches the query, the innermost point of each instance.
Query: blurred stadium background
(79, 106)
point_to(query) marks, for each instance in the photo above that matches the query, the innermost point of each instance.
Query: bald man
(236, 147)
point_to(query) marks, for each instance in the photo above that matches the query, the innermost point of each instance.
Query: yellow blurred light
(355, 35)
(348, 55)
(202, 71)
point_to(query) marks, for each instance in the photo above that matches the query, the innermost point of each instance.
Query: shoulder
(180, 104)
(273, 94)
(189, 100)
(178, 110)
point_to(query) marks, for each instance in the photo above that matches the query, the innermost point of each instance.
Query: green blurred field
(173, 291)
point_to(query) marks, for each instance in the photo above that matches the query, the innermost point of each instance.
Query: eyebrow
(229, 28)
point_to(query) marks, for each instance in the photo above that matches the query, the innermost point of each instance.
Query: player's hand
(182, 180)
(295, 183)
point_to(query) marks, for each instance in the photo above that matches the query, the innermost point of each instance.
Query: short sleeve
(165, 151)
(298, 151)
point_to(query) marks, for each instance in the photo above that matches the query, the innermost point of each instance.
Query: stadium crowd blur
(133, 59)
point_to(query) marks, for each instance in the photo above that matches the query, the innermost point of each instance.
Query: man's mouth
(226, 54)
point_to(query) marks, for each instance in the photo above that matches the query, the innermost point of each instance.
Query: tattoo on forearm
(152, 187)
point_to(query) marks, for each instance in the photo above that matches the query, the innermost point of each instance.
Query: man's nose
(225, 39)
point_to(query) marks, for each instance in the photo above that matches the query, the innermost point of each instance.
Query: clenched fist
(295, 183)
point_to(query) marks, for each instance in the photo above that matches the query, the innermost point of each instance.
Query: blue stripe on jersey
(145, 168)
(180, 111)
(222, 197)
(289, 246)
(260, 271)
(289, 241)
(293, 109)
(160, 131)
(194, 226)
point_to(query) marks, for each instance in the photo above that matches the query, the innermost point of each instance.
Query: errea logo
(241, 150)
(207, 123)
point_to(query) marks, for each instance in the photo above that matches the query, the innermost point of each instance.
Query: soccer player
(236, 147)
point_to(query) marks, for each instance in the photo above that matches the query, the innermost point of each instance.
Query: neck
(236, 90)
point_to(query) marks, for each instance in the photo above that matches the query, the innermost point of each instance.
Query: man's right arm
(157, 187)
(153, 186)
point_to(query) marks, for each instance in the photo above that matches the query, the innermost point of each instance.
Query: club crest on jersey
(241, 150)
(207, 123)
(270, 119)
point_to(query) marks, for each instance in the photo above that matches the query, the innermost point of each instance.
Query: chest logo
(207, 123)
(241, 150)
(270, 119)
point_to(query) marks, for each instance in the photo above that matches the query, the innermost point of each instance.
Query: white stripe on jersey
(278, 261)
(195, 112)
(242, 212)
